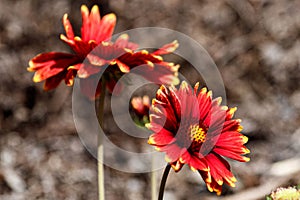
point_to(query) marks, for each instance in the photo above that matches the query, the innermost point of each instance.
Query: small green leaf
(268, 198)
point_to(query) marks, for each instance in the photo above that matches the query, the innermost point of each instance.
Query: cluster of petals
(141, 106)
(95, 52)
(194, 129)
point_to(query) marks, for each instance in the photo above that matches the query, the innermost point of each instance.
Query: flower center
(197, 133)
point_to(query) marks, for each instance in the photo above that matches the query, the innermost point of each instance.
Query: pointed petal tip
(150, 64)
(62, 36)
(36, 78)
(203, 90)
(233, 179)
(65, 17)
(209, 187)
(220, 181)
(225, 108)
(124, 36)
(246, 151)
(82, 74)
(95, 9)
(245, 139)
(31, 65)
(148, 125)
(176, 44)
(151, 140)
(240, 128)
(84, 8)
(70, 82)
(193, 169)
(196, 87)
(247, 159)
(219, 100)
(184, 86)
(78, 39)
(231, 111)
(111, 17)
(209, 94)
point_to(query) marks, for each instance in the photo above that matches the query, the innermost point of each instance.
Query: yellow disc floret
(197, 133)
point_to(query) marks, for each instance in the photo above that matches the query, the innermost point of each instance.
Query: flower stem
(163, 182)
(153, 180)
(100, 150)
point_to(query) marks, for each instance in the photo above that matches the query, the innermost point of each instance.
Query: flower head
(141, 105)
(53, 67)
(94, 51)
(290, 193)
(193, 129)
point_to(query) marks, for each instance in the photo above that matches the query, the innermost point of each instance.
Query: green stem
(100, 150)
(163, 182)
(153, 180)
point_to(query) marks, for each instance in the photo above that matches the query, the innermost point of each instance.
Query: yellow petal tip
(245, 139)
(84, 8)
(36, 78)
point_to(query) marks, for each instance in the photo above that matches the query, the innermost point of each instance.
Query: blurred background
(255, 44)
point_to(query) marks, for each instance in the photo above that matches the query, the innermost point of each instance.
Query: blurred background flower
(140, 108)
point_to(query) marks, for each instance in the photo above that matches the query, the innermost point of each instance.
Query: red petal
(107, 26)
(122, 42)
(69, 78)
(154, 127)
(69, 42)
(96, 60)
(168, 48)
(177, 166)
(54, 81)
(231, 154)
(232, 125)
(83, 48)
(94, 20)
(163, 137)
(87, 70)
(108, 51)
(204, 101)
(165, 114)
(229, 136)
(68, 27)
(193, 161)
(49, 64)
(220, 169)
(85, 28)
(123, 67)
(211, 184)
(172, 151)
(159, 73)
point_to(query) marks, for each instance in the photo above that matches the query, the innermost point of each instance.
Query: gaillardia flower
(94, 51)
(193, 129)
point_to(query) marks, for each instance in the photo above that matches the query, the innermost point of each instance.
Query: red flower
(53, 67)
(96, 47)
(193, 129)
